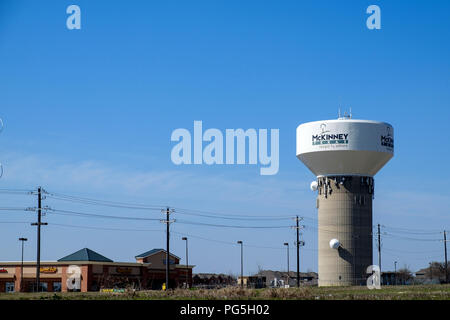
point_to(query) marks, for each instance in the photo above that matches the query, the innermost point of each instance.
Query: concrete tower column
(345, 213)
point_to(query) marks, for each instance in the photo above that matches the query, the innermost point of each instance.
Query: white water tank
(345, 146)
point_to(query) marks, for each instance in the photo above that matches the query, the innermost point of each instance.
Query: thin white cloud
(176, 185)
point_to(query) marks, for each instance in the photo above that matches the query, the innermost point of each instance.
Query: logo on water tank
(387, 140)
(328, 138)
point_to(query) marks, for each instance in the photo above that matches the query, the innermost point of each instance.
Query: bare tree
(232, 278)
(260, 268)
(436, 270)
(404, 275)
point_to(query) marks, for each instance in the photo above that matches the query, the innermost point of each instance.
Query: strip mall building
(96, 272)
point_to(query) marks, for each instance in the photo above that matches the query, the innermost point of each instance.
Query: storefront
(87, 270)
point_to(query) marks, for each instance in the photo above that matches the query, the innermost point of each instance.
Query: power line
(91, 201)
(230, 226)
(394, 232)
(128, 205)
(232, 217)
(93, 215)
(158, 207)
(316, 228)
(201, 213)
(408, 238)
(157, 230)
(84, 214)
(233, 214)
(101, 228)
(427, 258)
(410, 252)
(13, 222)
(18, 191)
(230, 243)
(411, 231)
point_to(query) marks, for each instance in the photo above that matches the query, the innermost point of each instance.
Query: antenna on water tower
(346, 115)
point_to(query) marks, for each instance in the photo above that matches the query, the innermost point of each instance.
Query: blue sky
(90, 112)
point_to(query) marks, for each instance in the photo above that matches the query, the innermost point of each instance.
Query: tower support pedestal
(345, 213)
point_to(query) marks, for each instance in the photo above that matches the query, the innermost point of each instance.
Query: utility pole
(168, 211)
(287, 244)
(21, 269)
(187, 262)
(242, 263)
(39, 224)
(298, 244)
(445, 251)
(379, 248)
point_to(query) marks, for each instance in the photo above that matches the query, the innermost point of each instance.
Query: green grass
(418, 292)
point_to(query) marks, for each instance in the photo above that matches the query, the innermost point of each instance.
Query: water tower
(344, 154)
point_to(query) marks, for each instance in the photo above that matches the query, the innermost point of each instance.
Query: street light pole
(287, 247)
(187, 262)
(395, 271)
(21, 268)
(242, 263)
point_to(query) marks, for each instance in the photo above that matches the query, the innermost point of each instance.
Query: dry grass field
(419, 292)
